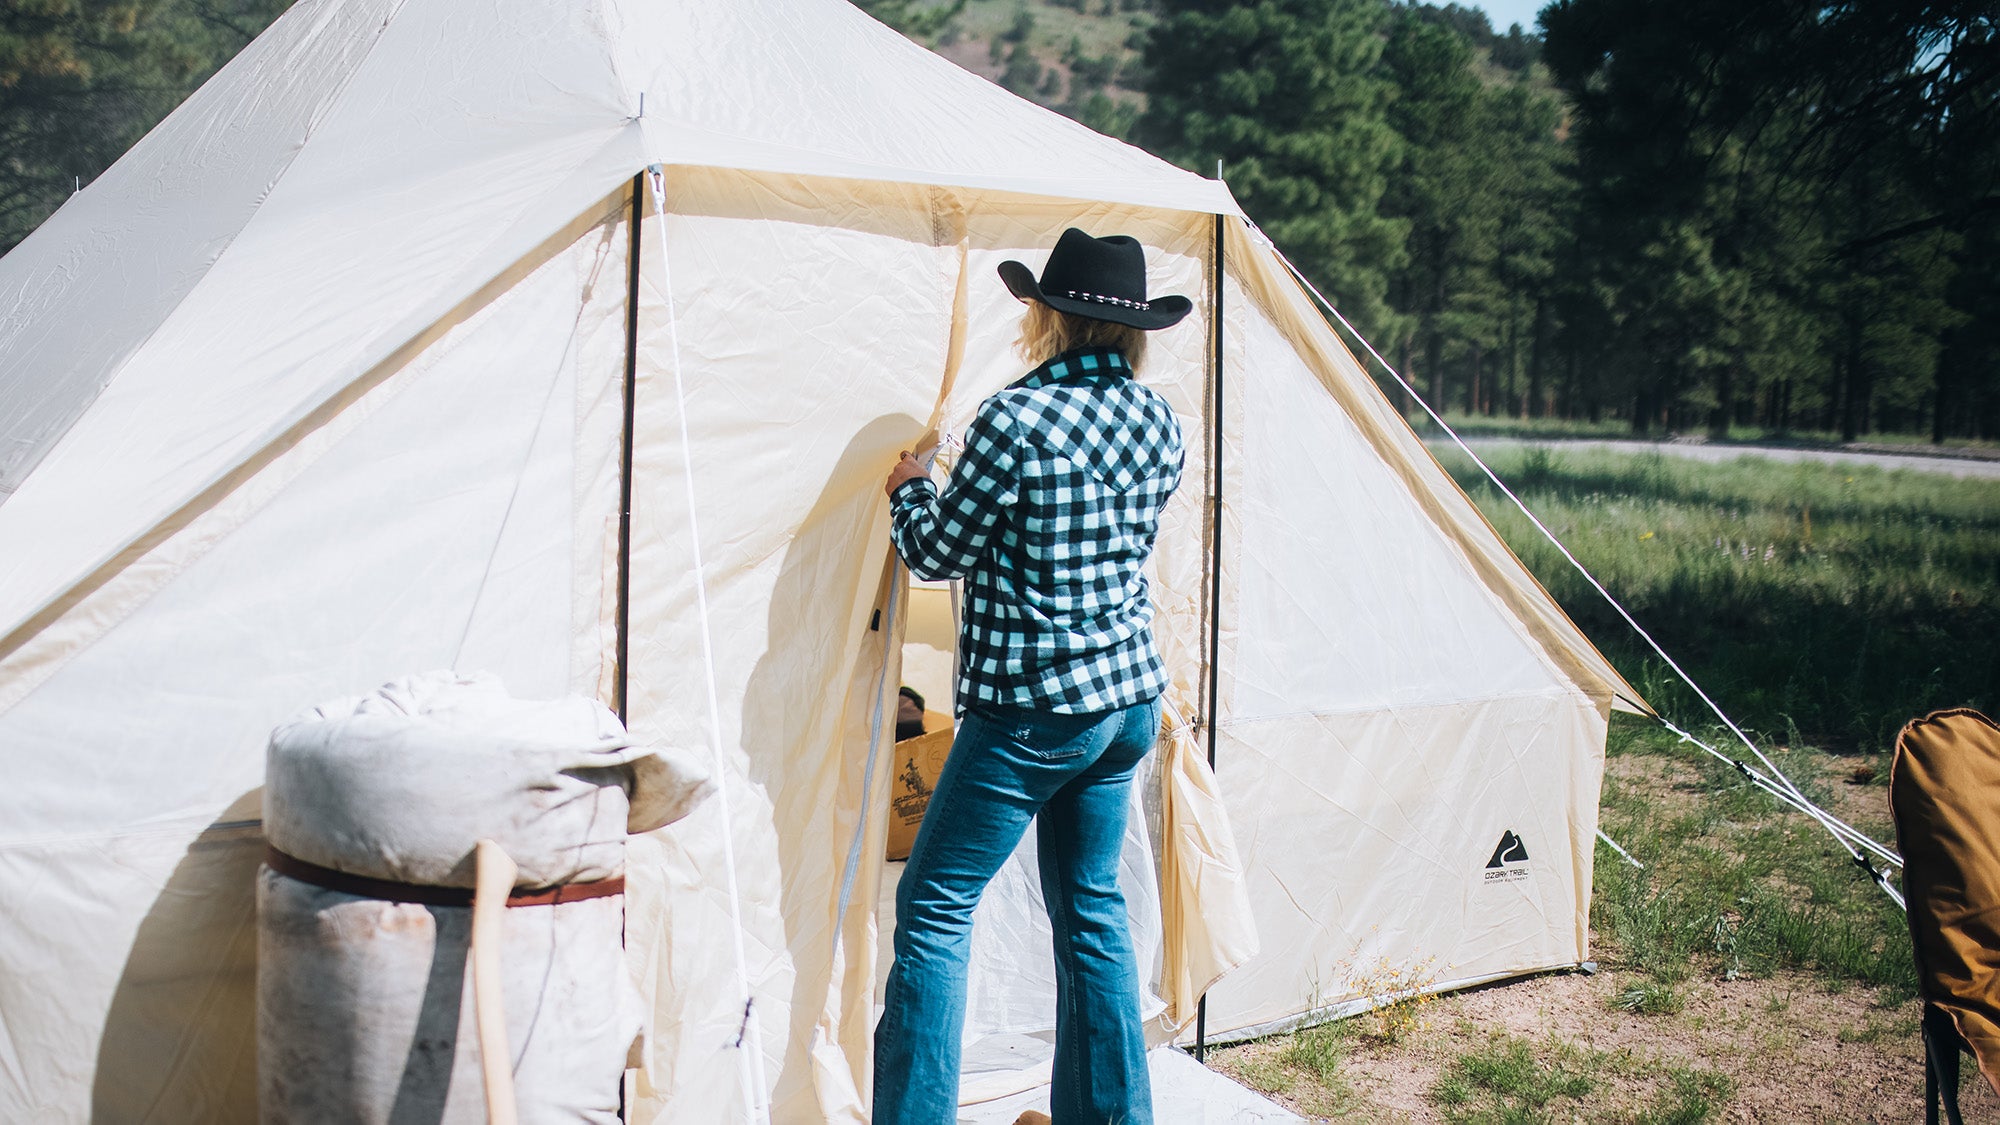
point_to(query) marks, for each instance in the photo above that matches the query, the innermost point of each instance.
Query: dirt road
(1700, 451)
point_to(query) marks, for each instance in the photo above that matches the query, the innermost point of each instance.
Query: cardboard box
(918, 762)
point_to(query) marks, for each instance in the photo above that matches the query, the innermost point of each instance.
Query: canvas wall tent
(322, 384)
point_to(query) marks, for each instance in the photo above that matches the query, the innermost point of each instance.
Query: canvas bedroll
(323, 383)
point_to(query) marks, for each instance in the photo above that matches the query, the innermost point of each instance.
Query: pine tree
(1483, 187)
(1288, 96)
(1435, 190)
(1774, 198)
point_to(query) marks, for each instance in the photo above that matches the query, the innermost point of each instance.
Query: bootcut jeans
(1071, 775)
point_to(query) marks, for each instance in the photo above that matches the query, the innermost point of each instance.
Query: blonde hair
(1048, 332)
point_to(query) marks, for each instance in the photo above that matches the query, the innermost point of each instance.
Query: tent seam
(261, 456)
(298, 149)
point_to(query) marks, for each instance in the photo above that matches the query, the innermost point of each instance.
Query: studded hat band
(1076, 295)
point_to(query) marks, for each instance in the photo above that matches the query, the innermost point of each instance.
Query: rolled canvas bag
(373, 807)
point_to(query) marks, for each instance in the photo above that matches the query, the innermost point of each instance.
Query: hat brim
(1160, 312)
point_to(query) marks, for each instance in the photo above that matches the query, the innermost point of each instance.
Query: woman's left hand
(907, 469)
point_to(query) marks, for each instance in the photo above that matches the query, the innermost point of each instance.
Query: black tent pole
(635, 223)
(1214, 578)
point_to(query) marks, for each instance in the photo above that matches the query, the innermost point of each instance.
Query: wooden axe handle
(493, 881)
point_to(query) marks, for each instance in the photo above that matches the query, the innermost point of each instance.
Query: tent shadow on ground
(180, 986)
(776, 714)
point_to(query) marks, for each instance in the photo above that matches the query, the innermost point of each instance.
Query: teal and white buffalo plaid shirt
(1048, 517)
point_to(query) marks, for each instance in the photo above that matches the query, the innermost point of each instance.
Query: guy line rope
(1857, 845)
(749, 1041)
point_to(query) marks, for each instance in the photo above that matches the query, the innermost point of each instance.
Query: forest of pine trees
(1683, 215)
(1687, 215)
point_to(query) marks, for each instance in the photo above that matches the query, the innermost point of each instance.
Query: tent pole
(1214, 575)
(1215, 517)
(634, 224)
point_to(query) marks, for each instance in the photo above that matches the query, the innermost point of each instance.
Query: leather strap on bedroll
(390, 891)
(1944, 792)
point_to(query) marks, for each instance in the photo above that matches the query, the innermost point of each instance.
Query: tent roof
(818, 87)
(367, 166)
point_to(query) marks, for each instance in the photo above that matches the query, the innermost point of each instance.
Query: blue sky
(1504, 12)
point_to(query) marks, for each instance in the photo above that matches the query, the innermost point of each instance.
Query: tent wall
(427, 525)
(813, 319)
(1347, 657)
(823, 326)
(1285, 306)
(1387, 713)
(1366, 837)
(365, 239)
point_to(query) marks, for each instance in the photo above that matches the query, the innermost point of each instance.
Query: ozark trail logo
(1510, 860)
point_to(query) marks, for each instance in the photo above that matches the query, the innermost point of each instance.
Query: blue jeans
(1007, 765)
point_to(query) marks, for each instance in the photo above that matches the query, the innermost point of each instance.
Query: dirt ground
(1794, 1052)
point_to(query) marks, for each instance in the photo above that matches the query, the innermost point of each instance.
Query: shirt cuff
(903, 493)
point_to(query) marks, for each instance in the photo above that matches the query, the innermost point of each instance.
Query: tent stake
(1214, 575)
(625, 454)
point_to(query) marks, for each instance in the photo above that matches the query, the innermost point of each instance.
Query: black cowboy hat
(1101, 278)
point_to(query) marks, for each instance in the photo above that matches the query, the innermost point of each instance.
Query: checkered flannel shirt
(1048, 517)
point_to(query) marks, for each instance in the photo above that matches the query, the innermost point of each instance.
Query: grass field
(1818, 604)
(1750, 971)
(1732, 886)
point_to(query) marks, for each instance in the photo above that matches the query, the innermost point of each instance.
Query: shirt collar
(1077, 363)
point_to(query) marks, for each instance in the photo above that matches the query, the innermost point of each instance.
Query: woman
(1048, 517)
